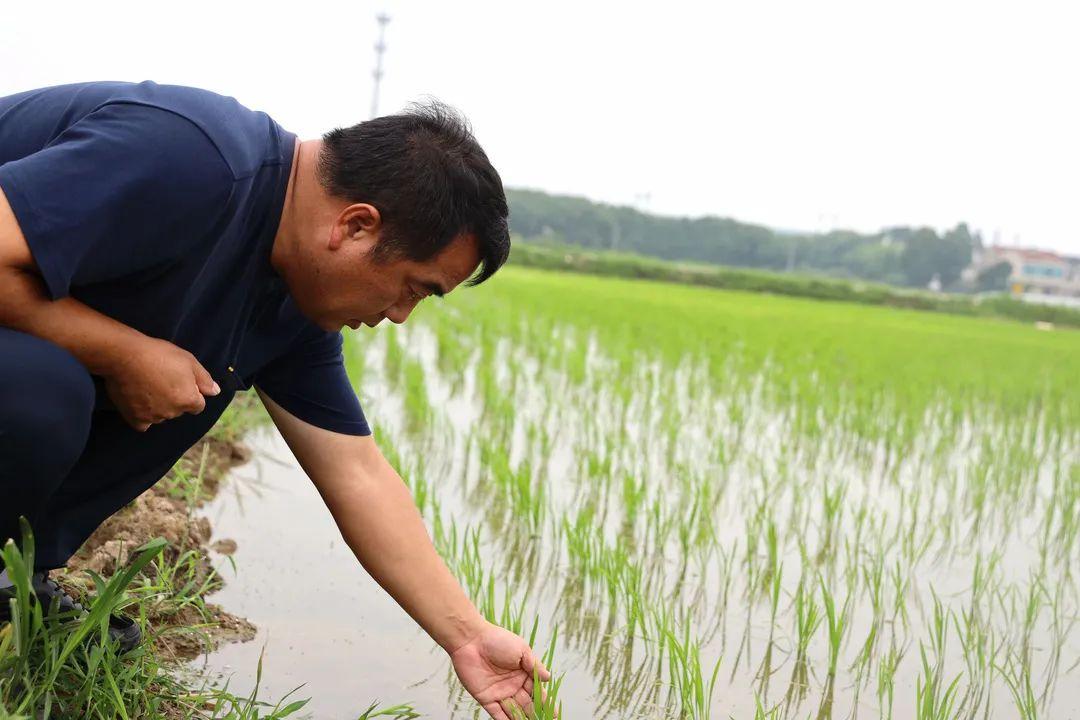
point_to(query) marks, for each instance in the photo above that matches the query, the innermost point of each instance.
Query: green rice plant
(836, 624)
(417, 405)
(886, 687)
(1031, 610)
(397, 712)
(978, 638)
(1016, 673)
(225, 706)
(807, 619)
(546, 702)
(1061, 626)
(765, 670)
(900, 584)
(831, 502)
(634, 494)
(694, 692)
(761, 713)
(933, 699)
(873, 580)
(394, 356)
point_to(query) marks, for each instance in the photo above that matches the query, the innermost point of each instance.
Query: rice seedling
(886, 688)
(693, 689)
(836, 624)
(807, 619)
(396, 712)
(1017, 676)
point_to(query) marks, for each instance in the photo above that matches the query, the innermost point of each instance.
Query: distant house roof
(1028, 253)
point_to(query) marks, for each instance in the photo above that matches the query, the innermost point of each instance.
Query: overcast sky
(799, 115)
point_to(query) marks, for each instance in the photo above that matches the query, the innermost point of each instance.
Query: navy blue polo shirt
(157, 205)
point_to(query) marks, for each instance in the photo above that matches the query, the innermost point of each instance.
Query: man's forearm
(380, 522)
(98, 341)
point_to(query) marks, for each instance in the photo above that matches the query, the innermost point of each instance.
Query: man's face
(340, 283)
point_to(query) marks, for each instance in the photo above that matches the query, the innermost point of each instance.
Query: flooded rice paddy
(708, 505)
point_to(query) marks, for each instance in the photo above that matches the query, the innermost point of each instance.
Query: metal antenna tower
(380, 48)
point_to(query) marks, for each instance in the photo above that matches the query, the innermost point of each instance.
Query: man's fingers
(524, 700)
(514, 709)
(530, 661)
(206, 384)
(542, 699)
(139, 425)
(197, 404)
(495, 710)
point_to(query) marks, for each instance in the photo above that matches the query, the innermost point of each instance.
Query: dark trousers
(68, 460)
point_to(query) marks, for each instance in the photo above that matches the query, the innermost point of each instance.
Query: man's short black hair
(429, 179)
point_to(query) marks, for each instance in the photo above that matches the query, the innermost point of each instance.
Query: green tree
(955, 253)
(900, 255)
(920, 257)
(994, 278)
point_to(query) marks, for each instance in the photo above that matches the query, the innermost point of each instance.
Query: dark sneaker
(125, 631)
(122, 629)
(49, 593)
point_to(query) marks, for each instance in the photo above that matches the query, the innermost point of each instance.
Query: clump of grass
(59, 666)
(45, 666)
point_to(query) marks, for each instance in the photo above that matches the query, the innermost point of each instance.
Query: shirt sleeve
(311, 383)
(124, 189)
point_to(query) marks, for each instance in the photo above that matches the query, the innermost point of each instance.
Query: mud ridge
(178, 630)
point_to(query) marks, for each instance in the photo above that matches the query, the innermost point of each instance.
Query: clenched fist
(157, 381)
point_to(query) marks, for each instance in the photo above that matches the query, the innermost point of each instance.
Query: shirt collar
(271, 284)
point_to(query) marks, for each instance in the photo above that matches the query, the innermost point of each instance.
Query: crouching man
(162, 248)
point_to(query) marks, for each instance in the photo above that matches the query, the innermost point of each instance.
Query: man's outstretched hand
(496, 667)
(381, 522)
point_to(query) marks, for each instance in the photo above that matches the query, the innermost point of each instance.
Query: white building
(1035, 272)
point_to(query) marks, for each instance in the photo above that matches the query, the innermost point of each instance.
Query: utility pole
(380, 48)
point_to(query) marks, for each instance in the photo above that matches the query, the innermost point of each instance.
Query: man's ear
(361, 218)
(353, 222)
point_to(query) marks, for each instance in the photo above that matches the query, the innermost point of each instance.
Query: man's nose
(397, 317)
(399, 313)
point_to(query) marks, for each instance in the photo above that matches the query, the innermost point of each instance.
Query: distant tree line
(898, 256)
(626, 265)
